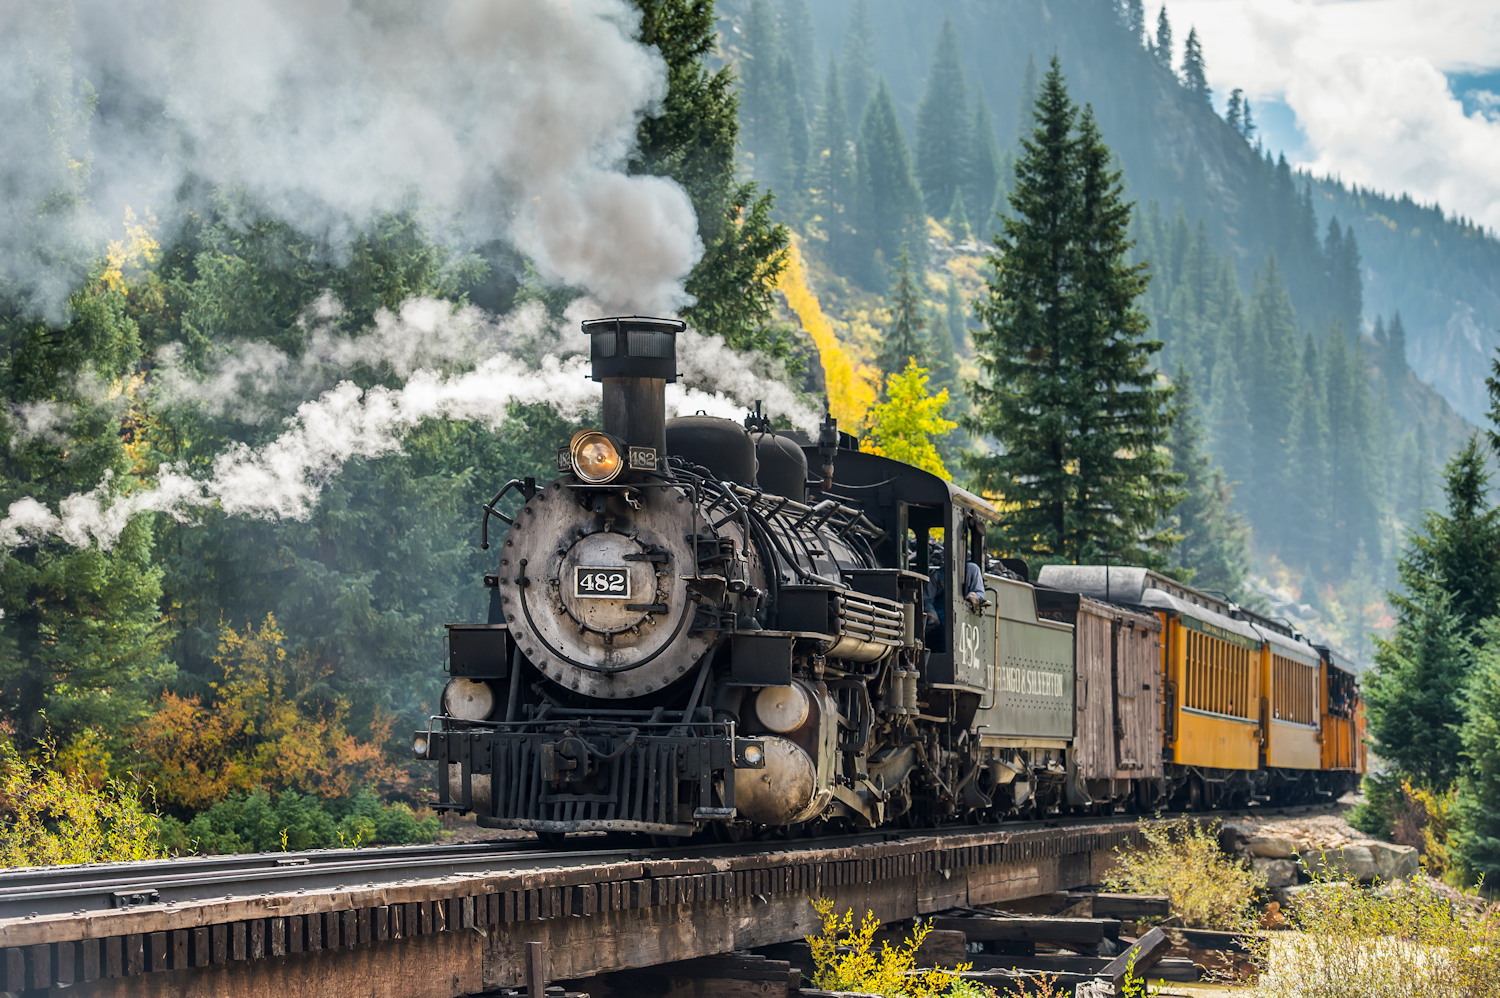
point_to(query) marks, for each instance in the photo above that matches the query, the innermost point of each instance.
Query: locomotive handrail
(489, 509)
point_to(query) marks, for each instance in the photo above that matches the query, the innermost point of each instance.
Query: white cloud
(1366, 80)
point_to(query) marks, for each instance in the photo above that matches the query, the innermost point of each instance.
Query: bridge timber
(462, 933)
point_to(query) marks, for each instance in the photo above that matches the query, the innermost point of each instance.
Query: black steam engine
(687, 631)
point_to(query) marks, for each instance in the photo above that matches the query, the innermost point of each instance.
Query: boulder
(1269, 847)
(1393, 862)
(1278, 872)
(1354, 862)
(1287, 897)
(1232, 836)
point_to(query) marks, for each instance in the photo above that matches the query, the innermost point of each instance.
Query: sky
(1398, 95)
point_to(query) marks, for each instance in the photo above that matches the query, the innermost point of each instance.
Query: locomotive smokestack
(635, 356)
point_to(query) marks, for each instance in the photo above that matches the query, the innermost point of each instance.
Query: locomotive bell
(634, 357)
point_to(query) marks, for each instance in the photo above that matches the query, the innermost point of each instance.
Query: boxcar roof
(1157, 599)
(1125, 584)
(1301, 651)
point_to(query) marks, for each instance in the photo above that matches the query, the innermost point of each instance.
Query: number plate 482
(601, 583)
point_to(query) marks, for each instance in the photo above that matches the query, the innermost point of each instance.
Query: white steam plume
(245, 378)
(283, 478)
(496, 119)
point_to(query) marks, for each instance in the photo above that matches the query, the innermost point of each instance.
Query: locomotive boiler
(700, 625)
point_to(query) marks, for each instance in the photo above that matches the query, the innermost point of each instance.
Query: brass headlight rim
(585, 436)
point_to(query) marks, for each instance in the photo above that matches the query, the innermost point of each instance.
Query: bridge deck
(466, 932)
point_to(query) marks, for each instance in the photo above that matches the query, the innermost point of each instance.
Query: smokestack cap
(633, 346)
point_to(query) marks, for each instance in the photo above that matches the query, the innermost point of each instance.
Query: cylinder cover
(785, 791)
(783, 708)
(468, 699)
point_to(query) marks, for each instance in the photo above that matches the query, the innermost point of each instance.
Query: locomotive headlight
(419, 745)
(596, 460)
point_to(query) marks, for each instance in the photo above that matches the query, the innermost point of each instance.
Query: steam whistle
(757, 421)
(828, 444)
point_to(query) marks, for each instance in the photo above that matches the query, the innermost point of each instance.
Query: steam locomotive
(686, 633)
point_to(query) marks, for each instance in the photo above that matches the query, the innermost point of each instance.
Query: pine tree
(1234, 111)
(1162, 50)
(984, 169)
(1341, 256)
(906, 339)
(1412, 694)
(831, 170)
(1353, 516)
(761, 111)
(957, 316)
(798, 36)
(944, 144)
(1132, 16)
(1247, 122)
(859, 73)
(1066, 386)
(834, 193)
(940, 352)
(1393, 353)
(958, 217)
(1491, 384)
(1194, 75)
(81, 628)
(1304, 520)
(1229, 419)
(1212, 551)
(792, 168)
(1476, 837)
(692, 140)
(1457, 550)
(1026, 107)
(1272, 383)
(890, 204)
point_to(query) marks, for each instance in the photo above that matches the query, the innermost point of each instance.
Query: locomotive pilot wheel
(598, 602)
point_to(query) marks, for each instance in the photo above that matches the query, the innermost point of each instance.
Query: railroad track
(77, 889)
(52, 890)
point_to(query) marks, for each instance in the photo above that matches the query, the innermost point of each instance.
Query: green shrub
(1377, 814)
(293, 821)
(1182, 860)
(49, 817)
(846, 959)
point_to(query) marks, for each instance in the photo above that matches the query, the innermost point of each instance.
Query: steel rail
(55, 890)
(58, 890)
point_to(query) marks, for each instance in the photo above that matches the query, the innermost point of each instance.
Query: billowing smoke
(284, 477)
(494, 119)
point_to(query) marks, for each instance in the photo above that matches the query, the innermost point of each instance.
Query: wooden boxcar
(1117, 690)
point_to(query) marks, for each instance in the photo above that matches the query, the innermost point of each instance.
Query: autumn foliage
(903, 426)
(270, 724)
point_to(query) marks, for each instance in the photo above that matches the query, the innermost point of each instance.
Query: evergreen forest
(1293, 319)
